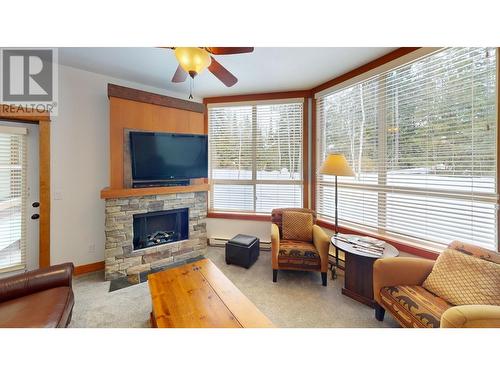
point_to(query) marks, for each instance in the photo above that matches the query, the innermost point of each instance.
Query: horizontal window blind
(421, 139)
(256, 156)
(12, 198)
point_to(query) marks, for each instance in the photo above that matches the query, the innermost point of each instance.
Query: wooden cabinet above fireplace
(140, 110)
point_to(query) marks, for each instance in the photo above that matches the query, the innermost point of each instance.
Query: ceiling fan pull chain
(191, 82)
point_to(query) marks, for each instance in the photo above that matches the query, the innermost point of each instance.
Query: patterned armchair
(289, 254)
(398, 288)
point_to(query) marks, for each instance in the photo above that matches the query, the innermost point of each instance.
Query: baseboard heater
(221, 242)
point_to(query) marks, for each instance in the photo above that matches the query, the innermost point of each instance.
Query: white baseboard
(221, 242)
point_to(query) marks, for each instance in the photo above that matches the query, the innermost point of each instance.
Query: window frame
(351, 80)
(254, 100)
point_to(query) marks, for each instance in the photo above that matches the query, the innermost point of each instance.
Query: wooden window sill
(238, 216)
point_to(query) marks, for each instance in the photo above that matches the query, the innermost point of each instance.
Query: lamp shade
(336, 164)
(192, 59)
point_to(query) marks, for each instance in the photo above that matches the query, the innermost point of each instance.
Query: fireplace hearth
(160, 227)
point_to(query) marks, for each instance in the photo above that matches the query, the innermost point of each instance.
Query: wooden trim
(313, 154)
(498, 150)
(205, 120)
(44, 171)
(109, 193)
(365, 68)
(256, 97)
(151, 98)
(20, 113)
(87, 268)
(305, 154)
(238, 216)
(410, 249)
(15, 113)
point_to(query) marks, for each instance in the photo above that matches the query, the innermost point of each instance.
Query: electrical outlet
(92, 248)
(57, 195)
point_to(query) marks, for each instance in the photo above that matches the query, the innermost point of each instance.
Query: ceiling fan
(193, 60)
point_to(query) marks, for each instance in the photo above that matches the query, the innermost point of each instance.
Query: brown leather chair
(298, 255)
(40, 298)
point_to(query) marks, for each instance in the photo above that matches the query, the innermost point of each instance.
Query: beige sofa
(397, 288)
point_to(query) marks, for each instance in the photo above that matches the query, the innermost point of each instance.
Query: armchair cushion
(297, 226)
(298, 254)
(471, 316)
(413, 306)
(462, 279)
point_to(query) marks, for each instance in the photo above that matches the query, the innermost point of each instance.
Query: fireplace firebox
(160, 227)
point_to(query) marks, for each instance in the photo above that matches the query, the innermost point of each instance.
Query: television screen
(167, 156)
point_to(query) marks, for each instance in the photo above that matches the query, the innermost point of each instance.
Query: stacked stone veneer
(120, 258)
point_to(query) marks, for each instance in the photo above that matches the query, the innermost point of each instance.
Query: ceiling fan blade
(229, 50)
(180, 75)
(222, 73)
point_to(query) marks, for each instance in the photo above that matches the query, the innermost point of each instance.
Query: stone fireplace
(147, 233)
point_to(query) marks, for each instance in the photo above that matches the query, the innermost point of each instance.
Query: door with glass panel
(19, 193)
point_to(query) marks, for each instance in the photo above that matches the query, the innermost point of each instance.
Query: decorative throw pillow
(463, 279)
(297, 226)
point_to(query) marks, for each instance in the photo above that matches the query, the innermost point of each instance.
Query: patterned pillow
(297, 226)
(463, 279)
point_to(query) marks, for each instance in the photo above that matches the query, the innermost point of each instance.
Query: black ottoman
(242, 250)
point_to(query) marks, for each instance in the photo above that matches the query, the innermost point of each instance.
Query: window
(12, 197)
(422, 141)
(256, 156)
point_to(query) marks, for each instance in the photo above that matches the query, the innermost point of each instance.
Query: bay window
(422, 140)
(255, 155)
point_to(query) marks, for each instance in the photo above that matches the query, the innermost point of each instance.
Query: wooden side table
(358, 279)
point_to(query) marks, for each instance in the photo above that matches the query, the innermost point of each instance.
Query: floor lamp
(336, 165)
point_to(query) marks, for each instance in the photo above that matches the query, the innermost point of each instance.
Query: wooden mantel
(108, 193)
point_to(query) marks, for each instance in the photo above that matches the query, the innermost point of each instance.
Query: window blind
(13, 163)
(421, 139)
(256, 156)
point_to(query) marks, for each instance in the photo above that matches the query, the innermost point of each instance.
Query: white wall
(224, 228)
(80, 164)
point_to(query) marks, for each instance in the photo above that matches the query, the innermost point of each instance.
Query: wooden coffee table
(358, 272)
(199, 295)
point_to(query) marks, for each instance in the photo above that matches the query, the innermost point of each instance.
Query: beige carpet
(297, 300)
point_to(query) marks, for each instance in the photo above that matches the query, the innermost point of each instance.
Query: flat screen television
(168, 156)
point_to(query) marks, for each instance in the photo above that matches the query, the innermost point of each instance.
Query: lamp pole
(336, 227)
(336, 203)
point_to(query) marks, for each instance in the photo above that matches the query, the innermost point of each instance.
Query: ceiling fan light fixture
(192, 59)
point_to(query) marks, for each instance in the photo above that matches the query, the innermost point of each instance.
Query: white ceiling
(267, 69)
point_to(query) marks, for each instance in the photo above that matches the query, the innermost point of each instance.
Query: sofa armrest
(322, 244)
(399, 271)
(275, 245)
(471, 316)
(36, 281)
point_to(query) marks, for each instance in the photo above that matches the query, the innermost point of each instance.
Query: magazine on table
(363, 243)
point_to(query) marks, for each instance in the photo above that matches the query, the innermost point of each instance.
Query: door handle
(36, 204)
(35, 216)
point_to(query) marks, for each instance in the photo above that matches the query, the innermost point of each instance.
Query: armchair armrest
(322, 244)
(36, 281)
(471, 316)
(399, 271)
(275, 245)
